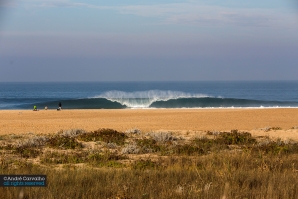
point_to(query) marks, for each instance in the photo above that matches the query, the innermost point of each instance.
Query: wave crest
(144, 99)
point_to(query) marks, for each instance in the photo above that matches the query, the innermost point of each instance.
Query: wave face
(100, 103)
(211, 102)
(145, 99)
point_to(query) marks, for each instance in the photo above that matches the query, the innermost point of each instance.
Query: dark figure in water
(59, 106)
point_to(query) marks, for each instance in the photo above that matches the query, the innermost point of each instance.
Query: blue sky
(94, 40)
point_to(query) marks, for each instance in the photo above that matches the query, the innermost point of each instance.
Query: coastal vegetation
(109, 164)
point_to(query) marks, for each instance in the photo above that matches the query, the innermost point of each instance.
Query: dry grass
(153, 165)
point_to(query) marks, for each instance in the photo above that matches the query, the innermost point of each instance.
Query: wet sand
(252, 120)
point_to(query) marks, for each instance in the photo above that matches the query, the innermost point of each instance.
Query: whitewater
(144, 99)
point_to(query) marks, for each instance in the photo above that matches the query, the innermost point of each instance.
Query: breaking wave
(144, 99)
(153, 99)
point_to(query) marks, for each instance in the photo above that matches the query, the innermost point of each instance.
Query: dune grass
(226, 165)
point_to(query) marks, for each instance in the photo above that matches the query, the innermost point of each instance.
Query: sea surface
(142, 95)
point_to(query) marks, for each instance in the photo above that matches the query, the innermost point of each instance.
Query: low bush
(235, 137)
(148, 145)
(162, 137)
(131, 148)
(105, 135)
(28, 152)
(276, 147)
(63, 157)
(64, 142)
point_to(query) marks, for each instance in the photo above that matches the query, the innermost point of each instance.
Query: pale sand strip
(51, 121)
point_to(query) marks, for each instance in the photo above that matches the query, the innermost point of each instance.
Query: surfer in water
(59, 106)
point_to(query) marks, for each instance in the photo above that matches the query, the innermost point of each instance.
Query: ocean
(143, 95)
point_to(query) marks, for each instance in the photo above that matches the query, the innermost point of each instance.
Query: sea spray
(144, 99)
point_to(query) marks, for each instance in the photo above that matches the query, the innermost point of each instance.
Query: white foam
(143, 99)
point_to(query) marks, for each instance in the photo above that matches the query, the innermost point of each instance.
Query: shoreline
(175, 120)
(153, 108)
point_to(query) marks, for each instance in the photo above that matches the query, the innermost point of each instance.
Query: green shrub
(105, 135)
(64, 142)
(235, 137)
(209, 144)
(28, 152)
(148, 145)
(276, 147)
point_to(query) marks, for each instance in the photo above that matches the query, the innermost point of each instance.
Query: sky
(187, 40)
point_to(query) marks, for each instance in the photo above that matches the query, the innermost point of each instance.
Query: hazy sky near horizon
(96, 40)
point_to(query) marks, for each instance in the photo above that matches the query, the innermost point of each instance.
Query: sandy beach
(183, 120)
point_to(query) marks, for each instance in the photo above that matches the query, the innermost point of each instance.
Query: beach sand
(176, 120)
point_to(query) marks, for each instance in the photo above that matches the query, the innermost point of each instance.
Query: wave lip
(145, 99)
